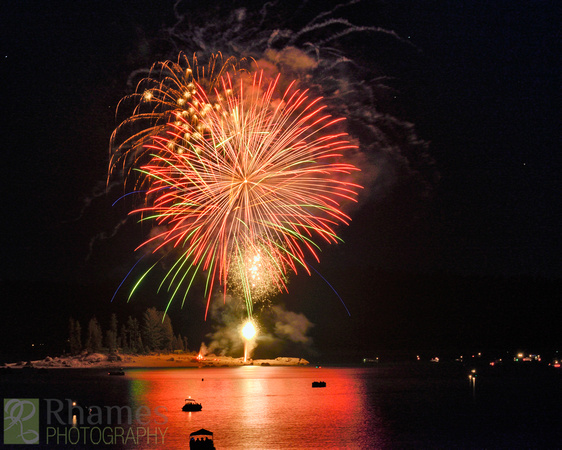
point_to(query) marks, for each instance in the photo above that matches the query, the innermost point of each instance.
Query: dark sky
(481, 83)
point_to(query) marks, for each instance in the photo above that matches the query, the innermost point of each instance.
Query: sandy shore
(115, 361)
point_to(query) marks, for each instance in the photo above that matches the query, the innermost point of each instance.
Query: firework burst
(232, 166)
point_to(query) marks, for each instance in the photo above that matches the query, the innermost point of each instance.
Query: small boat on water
(201, 439)
(191, 405)
(318, 384)
(116, 372)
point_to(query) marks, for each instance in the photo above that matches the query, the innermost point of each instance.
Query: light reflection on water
(262, 407)
(409, 405)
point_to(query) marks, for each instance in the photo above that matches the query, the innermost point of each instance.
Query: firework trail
(234, 167)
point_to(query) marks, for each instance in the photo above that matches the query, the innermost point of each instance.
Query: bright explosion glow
(248, 331)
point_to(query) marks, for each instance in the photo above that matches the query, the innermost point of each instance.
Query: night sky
(457, 249)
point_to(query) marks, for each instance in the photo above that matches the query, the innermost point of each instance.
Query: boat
(318, 384)
(201, 439)
(191, 405)
(117, 372)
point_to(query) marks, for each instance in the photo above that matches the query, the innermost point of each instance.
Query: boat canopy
(201, 432)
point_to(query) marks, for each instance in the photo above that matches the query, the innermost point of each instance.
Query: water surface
(384, 406)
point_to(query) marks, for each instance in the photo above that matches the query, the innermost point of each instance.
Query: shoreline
(161, 360)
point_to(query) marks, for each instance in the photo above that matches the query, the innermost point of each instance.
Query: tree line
(154, 333)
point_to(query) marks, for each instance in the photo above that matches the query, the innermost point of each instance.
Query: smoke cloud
(278, 329)
(291, 326)
(320, 48)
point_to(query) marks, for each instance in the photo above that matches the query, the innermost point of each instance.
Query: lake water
(385, 406)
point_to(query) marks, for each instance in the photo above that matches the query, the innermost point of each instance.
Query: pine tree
(94, 342)
(74, 331)
(111, 334)
(134, 336)
(157, 331)
(122, 340)
(179, 343)
(167, 332)
(113, 326)
(176, 345)
(152, 330)
(110, 341)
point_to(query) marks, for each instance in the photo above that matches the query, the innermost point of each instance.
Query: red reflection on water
(261, 407)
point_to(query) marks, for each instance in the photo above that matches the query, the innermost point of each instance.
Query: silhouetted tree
(151, 330)
(166, 331)
(94, 342)
(157, 331)
(75, 340)
(122, 340)
(110, 341)
(175, 344)
(179, 343)
(111, 334)
(135, 343)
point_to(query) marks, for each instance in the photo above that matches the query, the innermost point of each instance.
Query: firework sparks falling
(252, 275)
(234, 167)
(166, 96)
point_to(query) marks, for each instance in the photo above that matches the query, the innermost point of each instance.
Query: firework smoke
(278, 328)
(326, 50)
